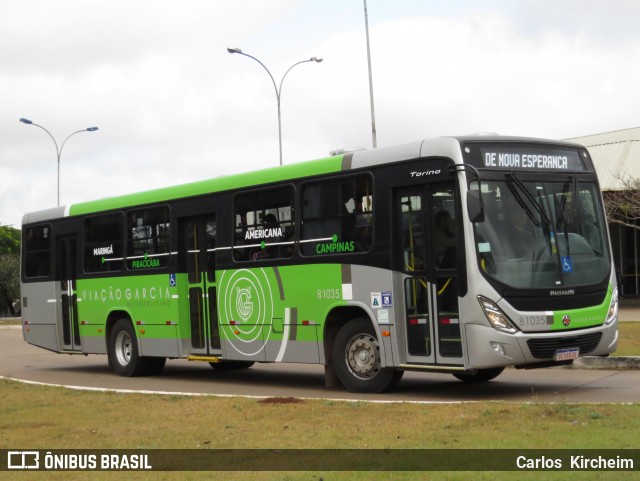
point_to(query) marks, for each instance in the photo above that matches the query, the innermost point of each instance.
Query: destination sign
(525, 158)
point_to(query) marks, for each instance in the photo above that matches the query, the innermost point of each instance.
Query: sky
(173, 106)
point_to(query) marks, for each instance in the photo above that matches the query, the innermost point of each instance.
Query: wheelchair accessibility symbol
(567, 264)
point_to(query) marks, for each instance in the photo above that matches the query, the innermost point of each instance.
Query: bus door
(427, 236)
(68, 328)
(198, 256)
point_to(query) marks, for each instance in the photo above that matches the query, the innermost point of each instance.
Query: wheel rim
(123, 348)
(362, 356)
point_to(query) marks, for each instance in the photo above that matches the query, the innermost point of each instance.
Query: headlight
(495, 316)
(612, 315)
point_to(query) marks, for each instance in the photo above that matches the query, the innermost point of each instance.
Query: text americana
(258, 234)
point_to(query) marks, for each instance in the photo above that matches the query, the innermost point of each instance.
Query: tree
(623, 206)
(9, 240)
(9, 268)
(9, 281)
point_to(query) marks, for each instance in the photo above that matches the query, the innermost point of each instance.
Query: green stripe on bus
(582, 318)
(248, 179)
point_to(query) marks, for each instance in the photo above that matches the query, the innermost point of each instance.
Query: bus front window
(542, 234)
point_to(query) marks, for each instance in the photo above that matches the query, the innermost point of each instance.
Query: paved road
(22, 361)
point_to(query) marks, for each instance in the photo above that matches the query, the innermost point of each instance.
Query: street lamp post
(278, 89)
(58, 150)
(374, 134)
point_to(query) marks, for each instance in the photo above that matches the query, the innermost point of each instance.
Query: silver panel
(94, 345)
(245, 351)
(157, 347)
(367, 282)
(42, 335)
(41, 308)
(44, 215)
(288, 350)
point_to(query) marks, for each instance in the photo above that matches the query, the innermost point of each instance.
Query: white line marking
(246, 396)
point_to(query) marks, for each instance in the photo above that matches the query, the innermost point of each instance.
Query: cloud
(173, 106)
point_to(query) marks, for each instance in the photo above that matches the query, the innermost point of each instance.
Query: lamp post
(278, 89)
(373, 114)
(58, 150)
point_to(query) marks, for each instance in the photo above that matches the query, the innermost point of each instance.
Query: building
(615, 155)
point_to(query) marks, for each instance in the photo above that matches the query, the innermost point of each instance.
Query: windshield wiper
(512, 183)
(565, 214)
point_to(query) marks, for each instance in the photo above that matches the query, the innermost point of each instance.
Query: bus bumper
(492, 348)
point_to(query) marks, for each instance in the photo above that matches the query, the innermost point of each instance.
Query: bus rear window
(37, 248)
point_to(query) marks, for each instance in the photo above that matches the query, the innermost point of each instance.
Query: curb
(613, 362)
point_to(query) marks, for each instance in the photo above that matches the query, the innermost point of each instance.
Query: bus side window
(103, 238)
(264, 225)
(445, 228)
(37, 248)
(357, 212)
(337, 216)
(148, 239)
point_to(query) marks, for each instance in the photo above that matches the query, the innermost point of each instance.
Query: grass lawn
(628, 339)
(37, 417)
(40, 417)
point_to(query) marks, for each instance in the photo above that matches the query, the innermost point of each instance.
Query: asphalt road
(20, 360)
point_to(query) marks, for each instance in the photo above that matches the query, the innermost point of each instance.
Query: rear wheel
(155, 365)
(124, 358)
(479, 375)
(356, 356)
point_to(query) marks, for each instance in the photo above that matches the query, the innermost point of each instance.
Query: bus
(459, 255)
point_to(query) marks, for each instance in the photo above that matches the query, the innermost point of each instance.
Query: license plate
(567, 354)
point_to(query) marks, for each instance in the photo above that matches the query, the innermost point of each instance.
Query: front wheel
(356, 357)
(479, 375)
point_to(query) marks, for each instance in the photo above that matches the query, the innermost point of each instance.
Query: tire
(124, 359)
(356, 358)
(154, 365)
(397, 376)
(231, 365)
(479, 375)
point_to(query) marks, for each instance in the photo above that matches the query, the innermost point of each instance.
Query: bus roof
(441, 146)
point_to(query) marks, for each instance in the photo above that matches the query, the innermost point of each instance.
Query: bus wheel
(479, 375)
(356, 357)
(123, 350)
(231, 365)
(155, 365)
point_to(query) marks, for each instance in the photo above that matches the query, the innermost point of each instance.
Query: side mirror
(475, 207)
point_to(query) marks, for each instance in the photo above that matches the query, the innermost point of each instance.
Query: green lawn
(629, 339)
(54, 418)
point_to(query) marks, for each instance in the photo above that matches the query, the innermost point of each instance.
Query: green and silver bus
(459, 255)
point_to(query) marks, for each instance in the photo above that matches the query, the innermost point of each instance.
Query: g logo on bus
(244, 305)
(566, 320)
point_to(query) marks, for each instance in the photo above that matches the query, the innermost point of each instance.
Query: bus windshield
(542, 234)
